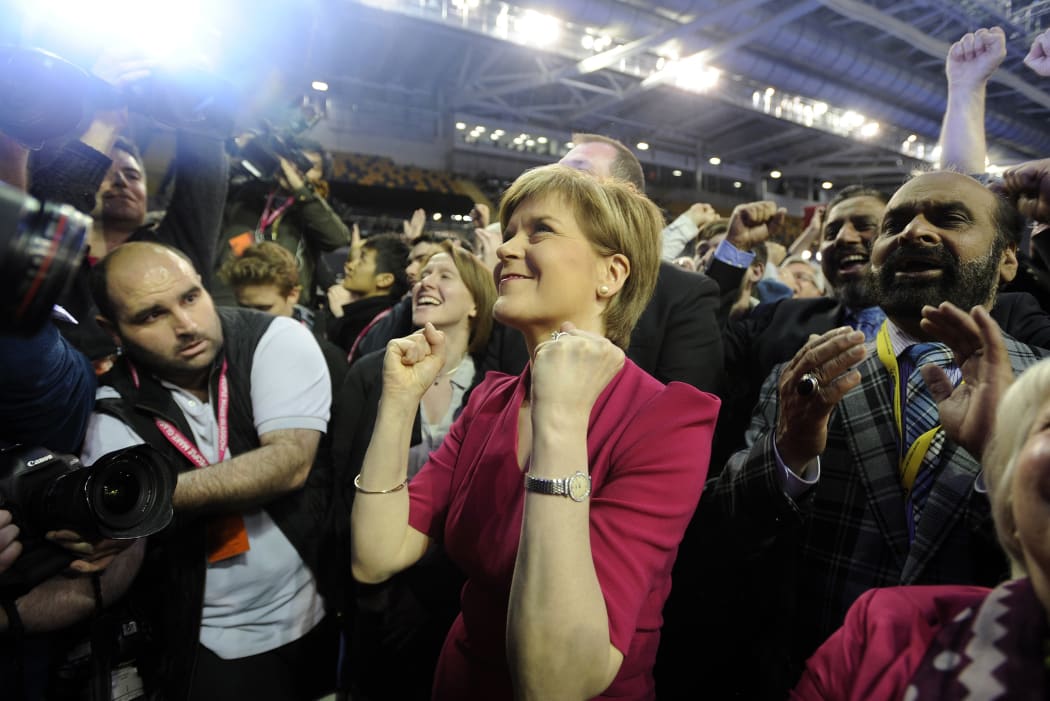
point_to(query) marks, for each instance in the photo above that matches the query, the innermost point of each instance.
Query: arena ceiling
(788, 85)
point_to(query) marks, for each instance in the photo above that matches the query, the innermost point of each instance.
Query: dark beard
(966, 285)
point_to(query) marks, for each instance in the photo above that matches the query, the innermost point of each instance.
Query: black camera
(125, 494)
(260, 156)
(41, 247)
(46, 96)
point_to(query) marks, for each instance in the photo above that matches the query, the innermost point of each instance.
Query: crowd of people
(580, 452)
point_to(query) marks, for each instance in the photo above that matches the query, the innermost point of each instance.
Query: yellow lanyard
(912, 460)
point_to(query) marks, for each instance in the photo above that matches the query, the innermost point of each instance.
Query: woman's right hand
(412, 363)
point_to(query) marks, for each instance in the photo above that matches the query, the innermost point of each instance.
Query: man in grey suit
(827, 482)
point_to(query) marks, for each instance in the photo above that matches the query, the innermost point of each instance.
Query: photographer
(288, 206)
(102, 173)
(47, 393)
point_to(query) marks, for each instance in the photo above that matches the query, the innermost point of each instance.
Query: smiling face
(938, 242)
(548, 271)
(165, 319)
(844, 254)
(441, 297)
(123, 192)
(360, 272)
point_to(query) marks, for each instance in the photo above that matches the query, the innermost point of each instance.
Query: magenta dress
(648, 448)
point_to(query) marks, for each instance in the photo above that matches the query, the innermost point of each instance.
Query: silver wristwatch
(576, 486)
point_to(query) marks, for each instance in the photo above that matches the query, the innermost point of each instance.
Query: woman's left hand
(568, 374)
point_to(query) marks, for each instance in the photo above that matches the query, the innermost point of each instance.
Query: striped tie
(920, 415)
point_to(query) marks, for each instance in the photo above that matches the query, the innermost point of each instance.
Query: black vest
(168, 593)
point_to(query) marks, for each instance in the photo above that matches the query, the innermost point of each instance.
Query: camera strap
(270, 215)
(227, 535)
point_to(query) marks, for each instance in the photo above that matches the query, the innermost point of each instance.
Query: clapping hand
(967, 411)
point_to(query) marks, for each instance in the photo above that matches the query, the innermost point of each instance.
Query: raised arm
(558, 642)
(382, 542)
(969, 64)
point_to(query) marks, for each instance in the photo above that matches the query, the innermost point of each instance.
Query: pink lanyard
(269, 216)
(183, 444)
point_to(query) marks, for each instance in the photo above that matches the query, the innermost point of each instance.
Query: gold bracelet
(358, 487)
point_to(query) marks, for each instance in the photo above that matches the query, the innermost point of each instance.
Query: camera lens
(120, 492)
(41, 247)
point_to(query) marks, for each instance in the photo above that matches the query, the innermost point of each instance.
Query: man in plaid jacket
(821, 496)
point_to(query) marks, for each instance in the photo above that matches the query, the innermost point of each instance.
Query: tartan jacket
(848, 533)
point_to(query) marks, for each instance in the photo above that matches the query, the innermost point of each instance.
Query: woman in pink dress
(562, 493)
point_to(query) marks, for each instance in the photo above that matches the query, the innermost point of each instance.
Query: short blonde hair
(616, 218)
(1014, 418)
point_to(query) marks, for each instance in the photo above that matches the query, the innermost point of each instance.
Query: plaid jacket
(848, 533)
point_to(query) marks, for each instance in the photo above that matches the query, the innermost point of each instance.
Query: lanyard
(270, 215)
(913, 457)
(183, 444)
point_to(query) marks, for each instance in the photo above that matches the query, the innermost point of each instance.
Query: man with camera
(279, 193)
(239, 400)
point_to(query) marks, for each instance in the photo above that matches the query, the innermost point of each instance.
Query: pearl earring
(603, 290)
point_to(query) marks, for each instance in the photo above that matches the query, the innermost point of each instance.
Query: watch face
(579, 486)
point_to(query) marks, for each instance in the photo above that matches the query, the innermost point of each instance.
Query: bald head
(132, 264)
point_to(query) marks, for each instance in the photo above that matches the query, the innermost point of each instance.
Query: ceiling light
(587, 42)
(677, 173)
(494, 136)
(869, 130)
(541, 140)
(807, 254)
(737, 184)
(643, 146)
(827, 184)
(461, 126)
(912, 138)
(775, 174)
(530, 143)
(570, 145)
(319, 85)
(537, 29)
(714, 160)
(479, 129)
(437, 216)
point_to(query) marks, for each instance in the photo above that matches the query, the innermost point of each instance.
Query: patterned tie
(867, 321)
(920, 415)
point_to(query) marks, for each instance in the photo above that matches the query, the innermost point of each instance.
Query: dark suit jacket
(677, 336)
(848, 533)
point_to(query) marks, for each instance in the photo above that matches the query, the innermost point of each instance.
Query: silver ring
(555, 335)
(808, 384)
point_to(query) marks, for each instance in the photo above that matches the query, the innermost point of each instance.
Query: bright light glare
(852, 120)
(827, 184)
(912, 138)
(714, 160)
(737, 184)
(461, 125)
(643, 146)
(869, 130)
(692, 74)
(319, 85)
(437, 216)
(807, 254)
(775, 174)
(541, 140)
(173, 32)
(537, 29)
(677, 173)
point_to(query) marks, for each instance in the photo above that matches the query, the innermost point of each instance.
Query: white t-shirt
(266, 597)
